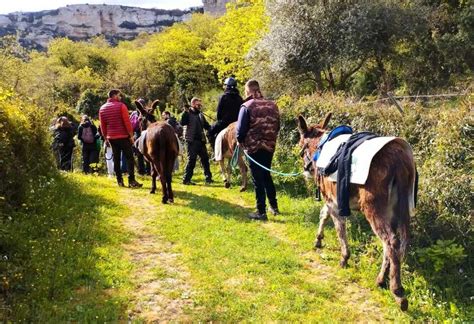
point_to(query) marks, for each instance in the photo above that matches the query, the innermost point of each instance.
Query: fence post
(395, 102)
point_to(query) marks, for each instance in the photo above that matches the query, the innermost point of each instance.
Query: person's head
(115, 94)
(196, 103)
(252, 88)
(85, 118)
(166, 115)
(62, 122)
(230, 83)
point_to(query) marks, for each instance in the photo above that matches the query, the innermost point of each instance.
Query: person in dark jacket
(63, 142)
(195, 124)
(227, 108)
(257, 131)
(87, 134)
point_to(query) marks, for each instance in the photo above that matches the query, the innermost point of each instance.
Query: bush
(24, 149)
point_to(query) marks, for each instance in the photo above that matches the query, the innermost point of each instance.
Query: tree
(329, 41)
(239, 31)
(90, 102)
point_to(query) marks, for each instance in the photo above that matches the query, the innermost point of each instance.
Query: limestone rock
(81, 22)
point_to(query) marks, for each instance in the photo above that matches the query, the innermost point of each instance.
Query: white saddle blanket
(361, 157)
(218, 145)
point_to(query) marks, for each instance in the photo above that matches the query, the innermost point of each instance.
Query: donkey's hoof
(343, 263)
(164, 201)
(242, 189)
(318, 244)
(403, 302)
(226, 184)
(381, 283)
(171, 200)
(152, 192)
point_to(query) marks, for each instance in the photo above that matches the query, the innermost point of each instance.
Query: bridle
(307, 159)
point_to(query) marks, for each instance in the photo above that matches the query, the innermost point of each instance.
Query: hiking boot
(189, 183)
(258, 216)
(134, 184)
(274, 210)
(120, 183)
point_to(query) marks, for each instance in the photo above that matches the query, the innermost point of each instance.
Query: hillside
(81, 22)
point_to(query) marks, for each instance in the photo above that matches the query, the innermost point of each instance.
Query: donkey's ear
(302, 126)
(326, 120)
(154, 105)
(140, 107)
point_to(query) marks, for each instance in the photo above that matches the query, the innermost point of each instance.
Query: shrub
(24, 149)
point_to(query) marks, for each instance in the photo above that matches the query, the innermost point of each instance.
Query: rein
(283, 174)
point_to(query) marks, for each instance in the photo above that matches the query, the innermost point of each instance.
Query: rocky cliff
(81, 22)
(215, 7)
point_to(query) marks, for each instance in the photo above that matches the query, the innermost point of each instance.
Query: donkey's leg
(323, 217)
(395, 280)
(154, 174)
(160, 170)
(243, 172)
(169, 178)
(340, 224)
(224, 173)
(384, 269)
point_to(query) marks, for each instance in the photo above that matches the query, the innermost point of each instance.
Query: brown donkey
(228, 145)
(160, 149)
(385, 200)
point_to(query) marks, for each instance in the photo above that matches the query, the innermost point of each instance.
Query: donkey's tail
(405, 185)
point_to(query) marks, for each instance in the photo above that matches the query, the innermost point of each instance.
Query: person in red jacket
(117, 131)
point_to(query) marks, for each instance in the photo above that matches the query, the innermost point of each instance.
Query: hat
(230, 82)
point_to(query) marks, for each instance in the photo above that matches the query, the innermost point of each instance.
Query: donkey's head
(310, 136)
(147, 115)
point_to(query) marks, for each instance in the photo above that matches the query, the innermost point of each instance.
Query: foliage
(24, 149)
(90, 102)
(442, 255)
(239, 30)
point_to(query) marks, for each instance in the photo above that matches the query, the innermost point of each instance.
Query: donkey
(228, 145)
(385, 200)
(160, 149)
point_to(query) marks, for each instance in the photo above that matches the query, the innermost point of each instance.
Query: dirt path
(357, 298)
(161, 291)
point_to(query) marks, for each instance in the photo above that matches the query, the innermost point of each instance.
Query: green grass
(71, 264)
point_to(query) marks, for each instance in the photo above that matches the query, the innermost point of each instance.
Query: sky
(7, 6)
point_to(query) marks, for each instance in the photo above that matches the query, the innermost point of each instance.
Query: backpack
(135, 121)
(87, 135)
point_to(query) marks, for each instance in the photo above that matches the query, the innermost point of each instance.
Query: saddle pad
(361, 157)
(218, 145)
(140, 142)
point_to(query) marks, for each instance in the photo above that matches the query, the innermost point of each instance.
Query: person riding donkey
(257, 131)
(227, 109)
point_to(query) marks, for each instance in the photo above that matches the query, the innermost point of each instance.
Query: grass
(71, 261)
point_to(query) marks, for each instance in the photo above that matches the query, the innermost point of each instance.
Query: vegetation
(68, 242)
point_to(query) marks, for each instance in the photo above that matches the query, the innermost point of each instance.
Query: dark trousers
(89, 155)
(65, 158)
(195, 149)
(119, 146)
(262, 180)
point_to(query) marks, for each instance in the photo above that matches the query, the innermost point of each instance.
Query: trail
(357, 298)
(161, 290)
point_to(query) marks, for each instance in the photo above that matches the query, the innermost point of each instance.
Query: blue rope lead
(294, 174)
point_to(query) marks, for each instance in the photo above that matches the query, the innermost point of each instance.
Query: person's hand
(131, 140)
(107, 143)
